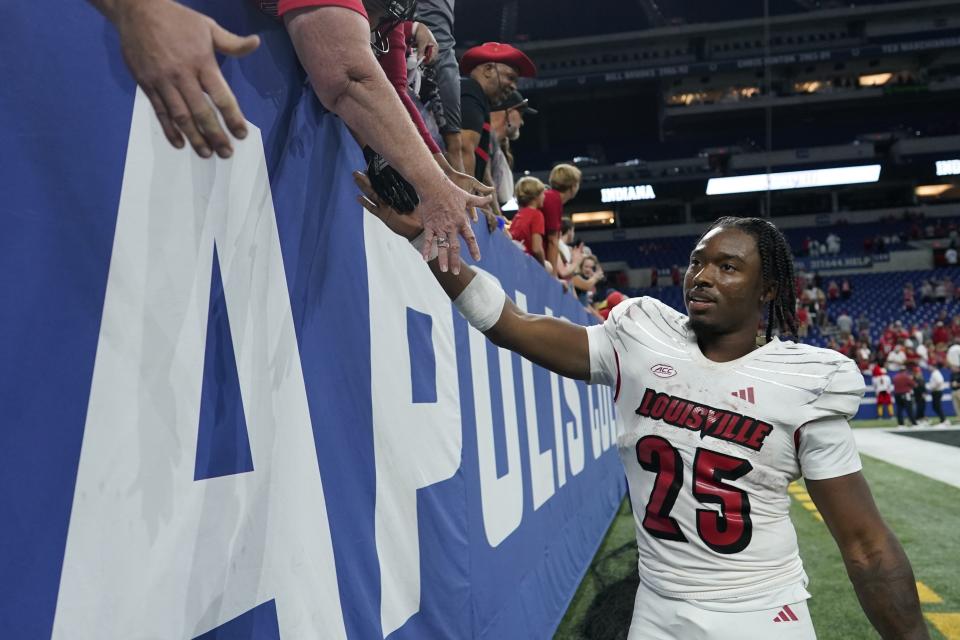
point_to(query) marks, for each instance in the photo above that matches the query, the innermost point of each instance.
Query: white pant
(658, 618)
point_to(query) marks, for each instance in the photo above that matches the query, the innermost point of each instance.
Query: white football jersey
(709, 448)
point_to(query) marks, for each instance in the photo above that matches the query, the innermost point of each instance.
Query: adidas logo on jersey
(786, 615)
(745, 394)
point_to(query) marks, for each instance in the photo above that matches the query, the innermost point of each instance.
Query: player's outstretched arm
(875, 561)
(553, 343)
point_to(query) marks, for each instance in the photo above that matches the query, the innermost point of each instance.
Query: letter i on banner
(152, 552)
(501, 499)
(416, 428)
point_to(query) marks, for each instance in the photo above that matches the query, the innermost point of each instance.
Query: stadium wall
(235, 406)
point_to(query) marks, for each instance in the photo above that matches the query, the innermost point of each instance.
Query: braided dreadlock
(776, 260)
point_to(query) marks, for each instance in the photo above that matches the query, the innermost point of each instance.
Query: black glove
(389, 184)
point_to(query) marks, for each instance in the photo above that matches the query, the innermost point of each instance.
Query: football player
(713, 425)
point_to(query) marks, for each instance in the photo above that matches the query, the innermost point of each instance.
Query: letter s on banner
(151, 552)
(416, 444)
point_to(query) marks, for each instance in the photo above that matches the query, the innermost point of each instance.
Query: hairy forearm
(331, 43)
(886, 588)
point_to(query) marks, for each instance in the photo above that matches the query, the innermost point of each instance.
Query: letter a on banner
(151, 552)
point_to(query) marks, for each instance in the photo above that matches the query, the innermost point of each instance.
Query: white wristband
(481, 302)
(418, 245)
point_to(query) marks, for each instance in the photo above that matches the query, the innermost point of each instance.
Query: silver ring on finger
(443, 243)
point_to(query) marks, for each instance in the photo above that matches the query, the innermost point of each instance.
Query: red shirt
(527, 222)
(289, 5)
(903, 383)
(940, 334)
(552, 211)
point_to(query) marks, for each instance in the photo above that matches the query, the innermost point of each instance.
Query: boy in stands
(712, 428)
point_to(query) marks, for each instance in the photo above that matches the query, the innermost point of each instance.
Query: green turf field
(924, 513)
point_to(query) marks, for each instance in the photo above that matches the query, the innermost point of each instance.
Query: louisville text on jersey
(709, 421)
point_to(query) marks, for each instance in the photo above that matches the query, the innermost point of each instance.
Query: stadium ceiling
(529, 20)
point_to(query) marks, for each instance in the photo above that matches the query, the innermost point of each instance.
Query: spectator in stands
(955, 328)
(897, 359)
(492, 71)
(803, 321)
(923, 354)
(393, 61)
(438, 16)
(909, 301)
(939, 291)
(506, 121)
(941, 335)
(845, 322)
(332, 41)
(882, 386)
(953, 354)
(171, 52)
(833, 244)
(586, 280)
(951, 255)
(863, 323)
(926, 291)
(863, 355)
(846, 290)
(903, 385)
(936, 385)
(527, 225)
(569, 255)
(675, 276)
(564, 187)
(833, 291)
(919, 395)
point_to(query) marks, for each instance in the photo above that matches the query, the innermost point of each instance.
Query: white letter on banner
(593, 406)
(557, 422)
(151, 553)
(416, 445)
(501, 498)
(571, 396)
(541, 462)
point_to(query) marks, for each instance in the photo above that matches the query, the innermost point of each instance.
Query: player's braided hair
(776, 260)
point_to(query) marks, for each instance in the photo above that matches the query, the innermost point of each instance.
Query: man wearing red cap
(491, 71)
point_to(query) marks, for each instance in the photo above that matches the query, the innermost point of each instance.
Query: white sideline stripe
(930, 459)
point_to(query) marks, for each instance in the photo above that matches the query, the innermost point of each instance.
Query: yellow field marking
(793, 487)
(816, 514)
(946, 623)
(808, 503)
(800, 495)
(927, 595)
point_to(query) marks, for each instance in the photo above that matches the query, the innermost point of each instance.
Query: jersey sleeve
(552, 212)
(826, 449)
(604, 367)
(841, 395)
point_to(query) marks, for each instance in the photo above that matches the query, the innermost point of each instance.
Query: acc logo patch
(663, 370)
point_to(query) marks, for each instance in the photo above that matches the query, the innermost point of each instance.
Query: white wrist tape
(481, 303)
(418, 245)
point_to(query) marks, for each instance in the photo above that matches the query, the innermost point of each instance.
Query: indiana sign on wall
(232, 405)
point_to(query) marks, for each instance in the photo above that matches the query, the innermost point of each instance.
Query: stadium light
(948, 167)
(627, 194)
(875, 79)
(593, 217)
(793, 180)
(932, 190)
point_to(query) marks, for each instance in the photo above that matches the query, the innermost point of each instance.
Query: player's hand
(442, 210)
(426, 44)
(169, 49)
(406, 226)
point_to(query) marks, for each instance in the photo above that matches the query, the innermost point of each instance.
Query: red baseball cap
(497, 52)
(613, 299)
